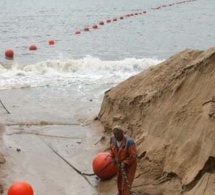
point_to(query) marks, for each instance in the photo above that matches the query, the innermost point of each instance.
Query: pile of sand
(170, 112)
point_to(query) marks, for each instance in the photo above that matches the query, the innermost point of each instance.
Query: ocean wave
(59, 72)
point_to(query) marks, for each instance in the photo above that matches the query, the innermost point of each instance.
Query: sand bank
(169, 110)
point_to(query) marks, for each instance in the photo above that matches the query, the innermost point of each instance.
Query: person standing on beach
(124, 154)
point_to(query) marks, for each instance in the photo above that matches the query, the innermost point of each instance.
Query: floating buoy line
(9, 53)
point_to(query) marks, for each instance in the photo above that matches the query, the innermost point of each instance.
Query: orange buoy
(33, 47)
(86, 28)
(9, 53)
(95, 26)
(108, 20)
(51, 42)
(101, 161)
(77, 32)
(20, 188)
(101, 23)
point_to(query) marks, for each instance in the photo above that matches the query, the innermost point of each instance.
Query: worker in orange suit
(124, 154)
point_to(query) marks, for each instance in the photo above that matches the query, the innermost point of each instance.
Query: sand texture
(170, 112)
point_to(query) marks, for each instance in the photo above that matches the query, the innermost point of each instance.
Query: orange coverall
(126, 153)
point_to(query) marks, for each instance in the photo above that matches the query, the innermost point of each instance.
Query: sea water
(103, 56)
(107, 55)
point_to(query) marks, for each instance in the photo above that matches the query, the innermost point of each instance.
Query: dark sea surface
(159, 33)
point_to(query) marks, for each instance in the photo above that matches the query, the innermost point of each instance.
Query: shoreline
(73, 133)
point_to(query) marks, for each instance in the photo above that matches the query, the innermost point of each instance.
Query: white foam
(88, 70)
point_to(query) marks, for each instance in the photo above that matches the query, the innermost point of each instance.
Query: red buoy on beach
(9, 53)
(33, 47)
(103, 166)
(51, 42)
(20, 188)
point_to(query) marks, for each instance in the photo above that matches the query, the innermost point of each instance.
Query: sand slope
(169, 111)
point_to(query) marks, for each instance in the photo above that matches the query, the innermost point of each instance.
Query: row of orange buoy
(101, 23)
(95, 26)
(9, 53)
(172, 4)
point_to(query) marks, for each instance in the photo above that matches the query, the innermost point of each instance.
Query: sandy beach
(32, 127)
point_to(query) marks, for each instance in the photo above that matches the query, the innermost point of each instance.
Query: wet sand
(36, 124)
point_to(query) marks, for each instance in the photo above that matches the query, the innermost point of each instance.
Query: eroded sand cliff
(170, 112)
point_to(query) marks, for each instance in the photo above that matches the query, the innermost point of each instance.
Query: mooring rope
(78, 171)
(4, 107)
